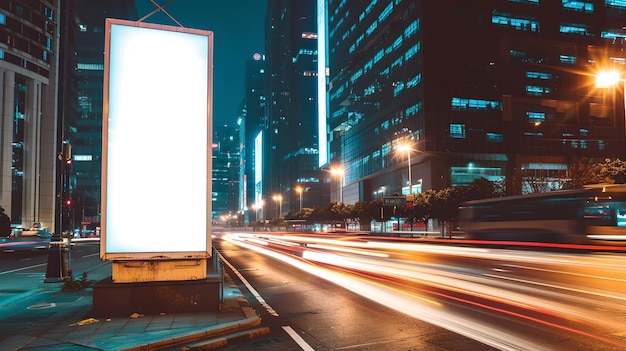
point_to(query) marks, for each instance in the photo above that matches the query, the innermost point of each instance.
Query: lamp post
(341, 174)
(256, 207)
(279, 199)
(299, 189)
(407, 148)
(607, 79)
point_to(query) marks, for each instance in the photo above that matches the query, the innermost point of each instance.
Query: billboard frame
(109, 236)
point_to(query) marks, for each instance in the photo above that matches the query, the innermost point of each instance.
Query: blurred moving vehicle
(592, 214)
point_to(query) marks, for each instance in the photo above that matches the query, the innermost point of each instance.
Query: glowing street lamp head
(336, 171)
(606, 79)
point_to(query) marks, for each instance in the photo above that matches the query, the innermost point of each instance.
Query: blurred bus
(592, 214)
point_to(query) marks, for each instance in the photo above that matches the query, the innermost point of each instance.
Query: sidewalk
(58, 320)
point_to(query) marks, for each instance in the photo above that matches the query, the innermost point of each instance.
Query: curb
(223, 341)
(227, 328)
(213, 337)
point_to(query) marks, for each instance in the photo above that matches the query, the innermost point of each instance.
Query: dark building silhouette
(497, 89)
(290, 139)
(82, 103)
(253, 123)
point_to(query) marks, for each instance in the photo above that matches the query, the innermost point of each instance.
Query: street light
(299, 189)
(608, 79)
(257, 206)
(407, 147)
(341, 174)
(279, 199)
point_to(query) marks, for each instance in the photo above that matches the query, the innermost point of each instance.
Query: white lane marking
(258, 296)
(297, 338)
(23, 268)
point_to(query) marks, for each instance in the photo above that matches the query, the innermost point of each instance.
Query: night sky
(238, 28)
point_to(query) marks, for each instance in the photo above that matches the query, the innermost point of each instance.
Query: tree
(482, 188)
(5, 223)
(611, 171)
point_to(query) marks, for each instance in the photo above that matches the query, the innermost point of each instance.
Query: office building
(225, 174)
(291, 143)
(503, 90)
(29, 48)
(253, 121)
(83, 104)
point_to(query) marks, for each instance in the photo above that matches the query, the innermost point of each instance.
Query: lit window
(494, 137)
(3, 19)
(538, 75)
(411, 29)
(517, 23)
(412, 110)
(457, 130)
(474, 104)
(386, 12)
(536, 90)
(616, 3)
(568, 58)
(411, 51)
(536, 117)
(570, 28)
(580, 6)
(414, 81)
(612, 35)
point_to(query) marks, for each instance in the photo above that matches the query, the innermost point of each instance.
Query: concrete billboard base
(123, 299)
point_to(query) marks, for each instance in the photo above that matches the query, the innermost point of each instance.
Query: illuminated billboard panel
(156, 167)
(322, 81)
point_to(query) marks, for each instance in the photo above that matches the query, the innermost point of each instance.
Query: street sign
(394, 201)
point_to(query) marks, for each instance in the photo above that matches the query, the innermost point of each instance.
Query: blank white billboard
(156, 167)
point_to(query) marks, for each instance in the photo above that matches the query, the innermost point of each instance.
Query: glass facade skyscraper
(84, 101)
(497, 89)
(291, 143)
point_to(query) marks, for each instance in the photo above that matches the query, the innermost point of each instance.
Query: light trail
(365, 262)
(404, 303)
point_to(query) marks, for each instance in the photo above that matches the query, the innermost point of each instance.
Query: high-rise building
(29, 48)
(503, 90)
(253, 122)
(290, 139)
(226, 170)
(83, 101)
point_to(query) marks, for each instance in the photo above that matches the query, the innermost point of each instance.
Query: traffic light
(68, 203)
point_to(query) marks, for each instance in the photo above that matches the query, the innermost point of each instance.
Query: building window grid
(538, 75)
(398, 62)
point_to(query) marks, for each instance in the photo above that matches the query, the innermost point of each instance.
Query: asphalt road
(305, 312)
(360, 293)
